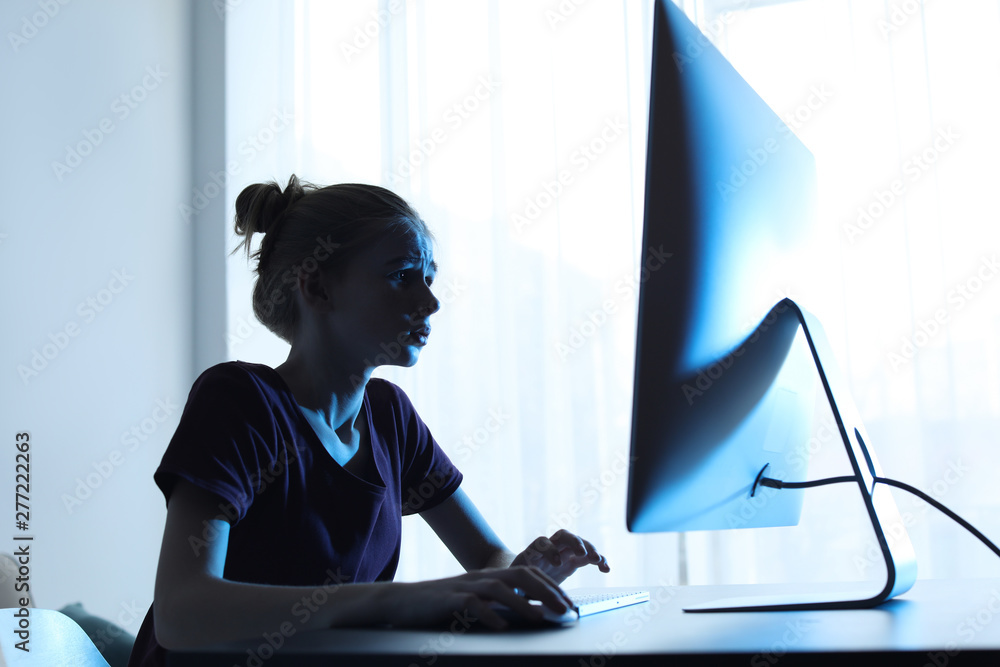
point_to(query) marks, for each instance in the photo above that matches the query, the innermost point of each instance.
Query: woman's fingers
(596, 557)
(476, 609)
(566, 539)
(533, 576)
(538, 585)
(513, 588)
(507, 595)
(579, 550)
(599, 560)
(603, 566)
(561, 555)
(544, 549)
(473, 598)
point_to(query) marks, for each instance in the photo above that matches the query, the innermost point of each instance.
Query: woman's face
(380, 304)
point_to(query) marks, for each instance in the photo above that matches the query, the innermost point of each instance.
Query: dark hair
(309, 228)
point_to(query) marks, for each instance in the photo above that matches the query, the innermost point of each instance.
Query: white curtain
(517, 129)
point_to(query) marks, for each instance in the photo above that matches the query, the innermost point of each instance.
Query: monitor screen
(723, 384)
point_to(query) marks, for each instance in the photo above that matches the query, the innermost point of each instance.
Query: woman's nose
(431, 306)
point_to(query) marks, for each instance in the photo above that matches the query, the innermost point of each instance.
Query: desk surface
(937, 622)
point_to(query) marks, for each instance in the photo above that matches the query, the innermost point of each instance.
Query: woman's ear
(314, 288)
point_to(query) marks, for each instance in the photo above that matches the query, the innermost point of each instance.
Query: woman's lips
(419, 336)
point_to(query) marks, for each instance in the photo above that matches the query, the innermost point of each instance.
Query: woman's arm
(469, 537)
(463, 529)
(194, 605)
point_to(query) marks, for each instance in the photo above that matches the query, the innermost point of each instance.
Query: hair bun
(261, 206)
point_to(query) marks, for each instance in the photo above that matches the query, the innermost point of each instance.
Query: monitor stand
(900, 560)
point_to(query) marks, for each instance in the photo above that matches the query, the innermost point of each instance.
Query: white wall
(63, 240)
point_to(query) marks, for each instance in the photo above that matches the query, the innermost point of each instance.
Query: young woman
(285, 487)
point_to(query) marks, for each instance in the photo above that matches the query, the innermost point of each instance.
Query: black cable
(923, 496)
(778, 484)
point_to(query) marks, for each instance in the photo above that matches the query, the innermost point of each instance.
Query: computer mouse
(550, 618)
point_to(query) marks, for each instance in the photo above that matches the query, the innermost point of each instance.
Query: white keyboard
(595, 600)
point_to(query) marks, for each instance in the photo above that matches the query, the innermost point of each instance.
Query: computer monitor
(727, 374)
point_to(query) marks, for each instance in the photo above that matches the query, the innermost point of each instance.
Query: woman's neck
(321, 386)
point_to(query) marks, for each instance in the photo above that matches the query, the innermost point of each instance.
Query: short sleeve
(428, 476)
(225, 436)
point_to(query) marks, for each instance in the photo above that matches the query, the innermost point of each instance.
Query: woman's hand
(459, 602)
(561, 555)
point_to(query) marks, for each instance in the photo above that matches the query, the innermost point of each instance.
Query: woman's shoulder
(240, 374)
(239, 387)
(389, 402)
(382, 388)
(386, 392)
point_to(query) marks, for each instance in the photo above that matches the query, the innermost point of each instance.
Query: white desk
(938, 622)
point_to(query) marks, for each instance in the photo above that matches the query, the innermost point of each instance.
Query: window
(517, 129)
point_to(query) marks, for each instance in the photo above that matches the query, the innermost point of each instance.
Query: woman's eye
(409, 275)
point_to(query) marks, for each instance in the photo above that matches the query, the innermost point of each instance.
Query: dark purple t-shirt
(299, 518)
